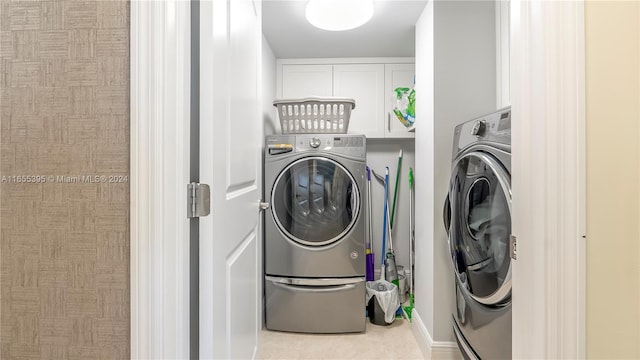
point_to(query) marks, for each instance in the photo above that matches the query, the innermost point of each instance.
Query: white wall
(271, 125)
(424, 268)
(464, 87)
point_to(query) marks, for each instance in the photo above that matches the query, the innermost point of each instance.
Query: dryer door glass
(480, 197)
(315, 201)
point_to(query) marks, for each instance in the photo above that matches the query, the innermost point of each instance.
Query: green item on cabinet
(405, 108)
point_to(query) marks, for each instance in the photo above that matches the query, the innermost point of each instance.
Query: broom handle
(384, 215)
(395, 191)
(412, 239)
(369, 232)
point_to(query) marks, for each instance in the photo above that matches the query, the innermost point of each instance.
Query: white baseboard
(436, 350)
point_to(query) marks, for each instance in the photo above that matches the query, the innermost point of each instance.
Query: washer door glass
(315, 201)
(480, 197)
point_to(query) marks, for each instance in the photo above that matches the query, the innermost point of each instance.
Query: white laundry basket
(315, 115)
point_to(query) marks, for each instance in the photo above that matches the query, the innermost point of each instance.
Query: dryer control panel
(494, 128)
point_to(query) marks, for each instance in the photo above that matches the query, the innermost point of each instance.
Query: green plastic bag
(405, 107)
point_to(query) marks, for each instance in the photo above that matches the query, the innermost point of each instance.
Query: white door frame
(160, 118)
(548, 158)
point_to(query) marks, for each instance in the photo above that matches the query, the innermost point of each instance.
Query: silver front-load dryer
(478, 221)
(314, 233)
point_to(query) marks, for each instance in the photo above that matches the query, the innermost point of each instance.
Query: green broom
(412, 243)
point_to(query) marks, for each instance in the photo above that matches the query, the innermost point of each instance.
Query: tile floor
(395, 341)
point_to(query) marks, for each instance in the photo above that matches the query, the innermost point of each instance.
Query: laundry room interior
(207, 179)
(367, 64)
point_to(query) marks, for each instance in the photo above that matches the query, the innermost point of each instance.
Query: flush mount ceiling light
(338, 15)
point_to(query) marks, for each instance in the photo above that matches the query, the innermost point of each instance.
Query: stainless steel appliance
(315, 232)
(478, 220)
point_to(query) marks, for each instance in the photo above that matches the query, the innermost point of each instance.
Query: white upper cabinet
(363, 83)
(370, 82)
(300, 81)
(396, 75)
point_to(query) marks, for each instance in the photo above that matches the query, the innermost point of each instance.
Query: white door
(230, 162)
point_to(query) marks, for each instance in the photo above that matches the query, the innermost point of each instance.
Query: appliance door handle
(277, 149)
(314, 281)
(313, 289)
(446, 214)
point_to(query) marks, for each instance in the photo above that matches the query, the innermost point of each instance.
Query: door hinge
(513, 242)
(198, 200)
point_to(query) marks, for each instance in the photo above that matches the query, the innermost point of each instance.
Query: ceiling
(390, 33)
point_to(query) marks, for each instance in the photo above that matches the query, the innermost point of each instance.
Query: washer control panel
(346, 144)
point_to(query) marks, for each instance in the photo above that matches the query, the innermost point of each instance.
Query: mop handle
(369, 235)
(412, 240)
(384, 215)
(395, 191)
(389, 230)
(410, 178)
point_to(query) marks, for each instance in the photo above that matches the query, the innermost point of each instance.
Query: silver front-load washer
(314, 233)
(478, 221)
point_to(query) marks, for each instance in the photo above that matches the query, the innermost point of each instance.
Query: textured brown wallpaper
(64, 164)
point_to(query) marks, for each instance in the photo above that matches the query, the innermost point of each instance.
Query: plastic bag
(405, 105)
(386, 295)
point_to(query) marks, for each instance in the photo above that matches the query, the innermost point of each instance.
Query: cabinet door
(300, 81)
(365, 84)
(396, 75)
